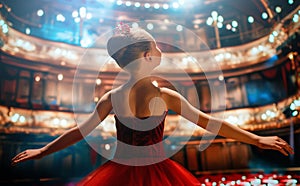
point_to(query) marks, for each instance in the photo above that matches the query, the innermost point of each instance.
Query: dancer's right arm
(72, 135)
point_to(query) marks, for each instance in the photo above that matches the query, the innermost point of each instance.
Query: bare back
(141, 100)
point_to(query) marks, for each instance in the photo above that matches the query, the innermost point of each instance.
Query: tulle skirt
(166, 173)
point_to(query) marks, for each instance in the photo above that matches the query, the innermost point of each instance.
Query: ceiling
(106, 14)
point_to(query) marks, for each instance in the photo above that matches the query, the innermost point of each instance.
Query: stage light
(271, 38)
(147, 5)
(291, 2)
(37, 78)
(250, 19)
(40, 12)
(82, 12)
(165, 6)
(295, 18)
(209, 21)
(89, 16)
(64, 123)
(85, 42)
(150, 26)
(156, 6)
(179, 28)
(22, 119)
(98, 81)
(60, 77)
(137, 4)
(60, 18)
(264, 15)
(4, 28)
(128, 3)
(107, 147)
(175, 5)
(221, 78)
(228, 26)
(75, 13)
(219, 25)
(15, 117)
(290, 111)
(234, 24)
(27, 31)
(275, 33)
(77, 20)
(119, 3)
(278, 9)
(134, 25)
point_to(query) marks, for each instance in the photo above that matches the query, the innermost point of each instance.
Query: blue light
(234, 24)
(250, 19)
(295, 18)
(295, 113)
(27, 31)
(82, 12)
(264, 15)
(156, 6)
(75, 13)
(128, 3)
(165, 6)
(290, 2)
(175, 5)
(40, 12)
(60, 18)
(77, 20)
(179, 28)
(119, 3)
(147, 5)
(150, 26)
(137, 4)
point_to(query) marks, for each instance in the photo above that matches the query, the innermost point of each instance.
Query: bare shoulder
(167, 93)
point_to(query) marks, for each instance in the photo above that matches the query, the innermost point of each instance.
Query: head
(133, 45)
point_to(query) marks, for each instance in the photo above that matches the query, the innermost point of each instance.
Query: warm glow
(60, 77)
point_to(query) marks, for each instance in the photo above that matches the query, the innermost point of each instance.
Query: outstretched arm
(72, 135)
(181, 106)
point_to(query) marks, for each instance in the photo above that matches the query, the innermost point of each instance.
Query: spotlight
(290, 111)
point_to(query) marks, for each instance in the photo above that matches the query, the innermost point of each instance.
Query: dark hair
(126, 47)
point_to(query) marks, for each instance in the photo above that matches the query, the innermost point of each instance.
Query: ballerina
(140, 122)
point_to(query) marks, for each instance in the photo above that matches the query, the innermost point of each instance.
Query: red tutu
(139, 159)
(166, 173)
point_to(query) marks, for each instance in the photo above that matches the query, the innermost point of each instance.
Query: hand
(275, 143)
(27, 155)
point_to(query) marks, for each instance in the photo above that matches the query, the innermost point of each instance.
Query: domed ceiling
(79, 22)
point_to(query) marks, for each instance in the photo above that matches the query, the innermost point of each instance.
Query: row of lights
(165, 6)
(60, 77)
(54, 122)
(291, 110)
(38, 78)
(275, 34)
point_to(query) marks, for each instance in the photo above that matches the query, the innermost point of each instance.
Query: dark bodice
(140, 137)
(134, 133)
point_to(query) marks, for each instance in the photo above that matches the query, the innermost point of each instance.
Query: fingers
(20, 158)
(283, 147)
(19, 155)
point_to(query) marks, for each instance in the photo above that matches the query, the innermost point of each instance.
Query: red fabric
(165, 172)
